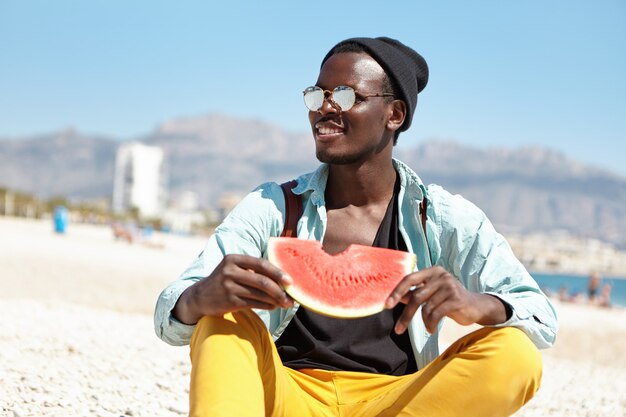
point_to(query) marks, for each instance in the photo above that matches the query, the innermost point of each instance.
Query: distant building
(139, 181)
(184, 213)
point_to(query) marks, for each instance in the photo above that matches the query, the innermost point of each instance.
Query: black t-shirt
(366, 344)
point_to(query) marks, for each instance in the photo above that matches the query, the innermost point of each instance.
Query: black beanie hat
(407, 69)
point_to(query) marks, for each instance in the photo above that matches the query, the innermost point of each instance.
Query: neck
(360, 184)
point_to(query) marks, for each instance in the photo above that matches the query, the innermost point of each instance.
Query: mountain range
(522, 190)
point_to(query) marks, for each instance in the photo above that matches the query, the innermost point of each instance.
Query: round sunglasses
(343, 97)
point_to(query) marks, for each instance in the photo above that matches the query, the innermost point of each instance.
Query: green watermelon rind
(326, 309)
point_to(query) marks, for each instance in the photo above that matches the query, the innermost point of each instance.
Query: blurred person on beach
(604, 300)
(593, 287)
(255, 352)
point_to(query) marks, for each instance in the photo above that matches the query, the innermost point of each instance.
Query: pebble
(100, 373)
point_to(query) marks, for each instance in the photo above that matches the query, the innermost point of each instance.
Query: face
(346, 137)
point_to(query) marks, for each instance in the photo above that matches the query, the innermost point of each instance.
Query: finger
(263, 284)
(405, 318)
(414, 280)
(432, 296)
(434, 315)
(420, 294)
(425, 291)
(430, 293)
(413, 290)
(261, 266)
(438, 278)
(252, 303)
(254, 294)
(440, 301)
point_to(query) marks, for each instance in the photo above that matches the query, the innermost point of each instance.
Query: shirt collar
(314, 181)
(409, 180)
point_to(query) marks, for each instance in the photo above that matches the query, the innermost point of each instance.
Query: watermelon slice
(353, 283)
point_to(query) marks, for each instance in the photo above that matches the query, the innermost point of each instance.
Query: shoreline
(576, 275)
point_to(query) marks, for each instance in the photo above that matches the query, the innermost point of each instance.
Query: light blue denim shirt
(460, 237)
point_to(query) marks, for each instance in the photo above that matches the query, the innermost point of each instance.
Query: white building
(139, 179)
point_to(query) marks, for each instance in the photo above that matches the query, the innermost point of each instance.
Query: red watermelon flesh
(353, 283)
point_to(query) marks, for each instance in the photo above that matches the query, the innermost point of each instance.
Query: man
(281, 359)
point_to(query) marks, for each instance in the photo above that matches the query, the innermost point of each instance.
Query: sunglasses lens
(344, 97)
(313, 98)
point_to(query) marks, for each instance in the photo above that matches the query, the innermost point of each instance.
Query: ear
(397, 113)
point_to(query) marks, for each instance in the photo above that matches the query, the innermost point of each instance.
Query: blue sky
(503, 73)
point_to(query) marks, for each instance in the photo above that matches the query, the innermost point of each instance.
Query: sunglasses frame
(329, 95)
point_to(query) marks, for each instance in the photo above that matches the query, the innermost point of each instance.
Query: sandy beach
(77, 336)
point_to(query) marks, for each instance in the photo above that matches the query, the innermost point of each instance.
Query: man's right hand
(238, 282)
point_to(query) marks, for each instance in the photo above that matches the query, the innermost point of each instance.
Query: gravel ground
(67, 360)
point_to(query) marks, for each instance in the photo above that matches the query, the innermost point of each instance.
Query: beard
(347, 158)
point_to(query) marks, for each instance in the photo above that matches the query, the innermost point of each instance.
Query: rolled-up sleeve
(166, 326)
(483, 261)
(244, 231)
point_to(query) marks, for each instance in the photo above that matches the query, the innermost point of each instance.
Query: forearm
(492, 310)
(185, 309)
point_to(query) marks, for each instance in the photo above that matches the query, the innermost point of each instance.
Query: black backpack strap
(423, 205)
(293, 209)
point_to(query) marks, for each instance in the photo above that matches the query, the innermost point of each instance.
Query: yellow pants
(236, 372)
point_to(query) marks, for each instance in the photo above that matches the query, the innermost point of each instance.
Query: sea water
(551, 283)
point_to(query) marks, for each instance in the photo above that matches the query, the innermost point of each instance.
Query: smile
(328, 128)
(328, 131)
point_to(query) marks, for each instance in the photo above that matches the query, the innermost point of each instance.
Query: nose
(329, 106)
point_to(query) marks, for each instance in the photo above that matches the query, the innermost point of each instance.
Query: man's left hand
(441, 295)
